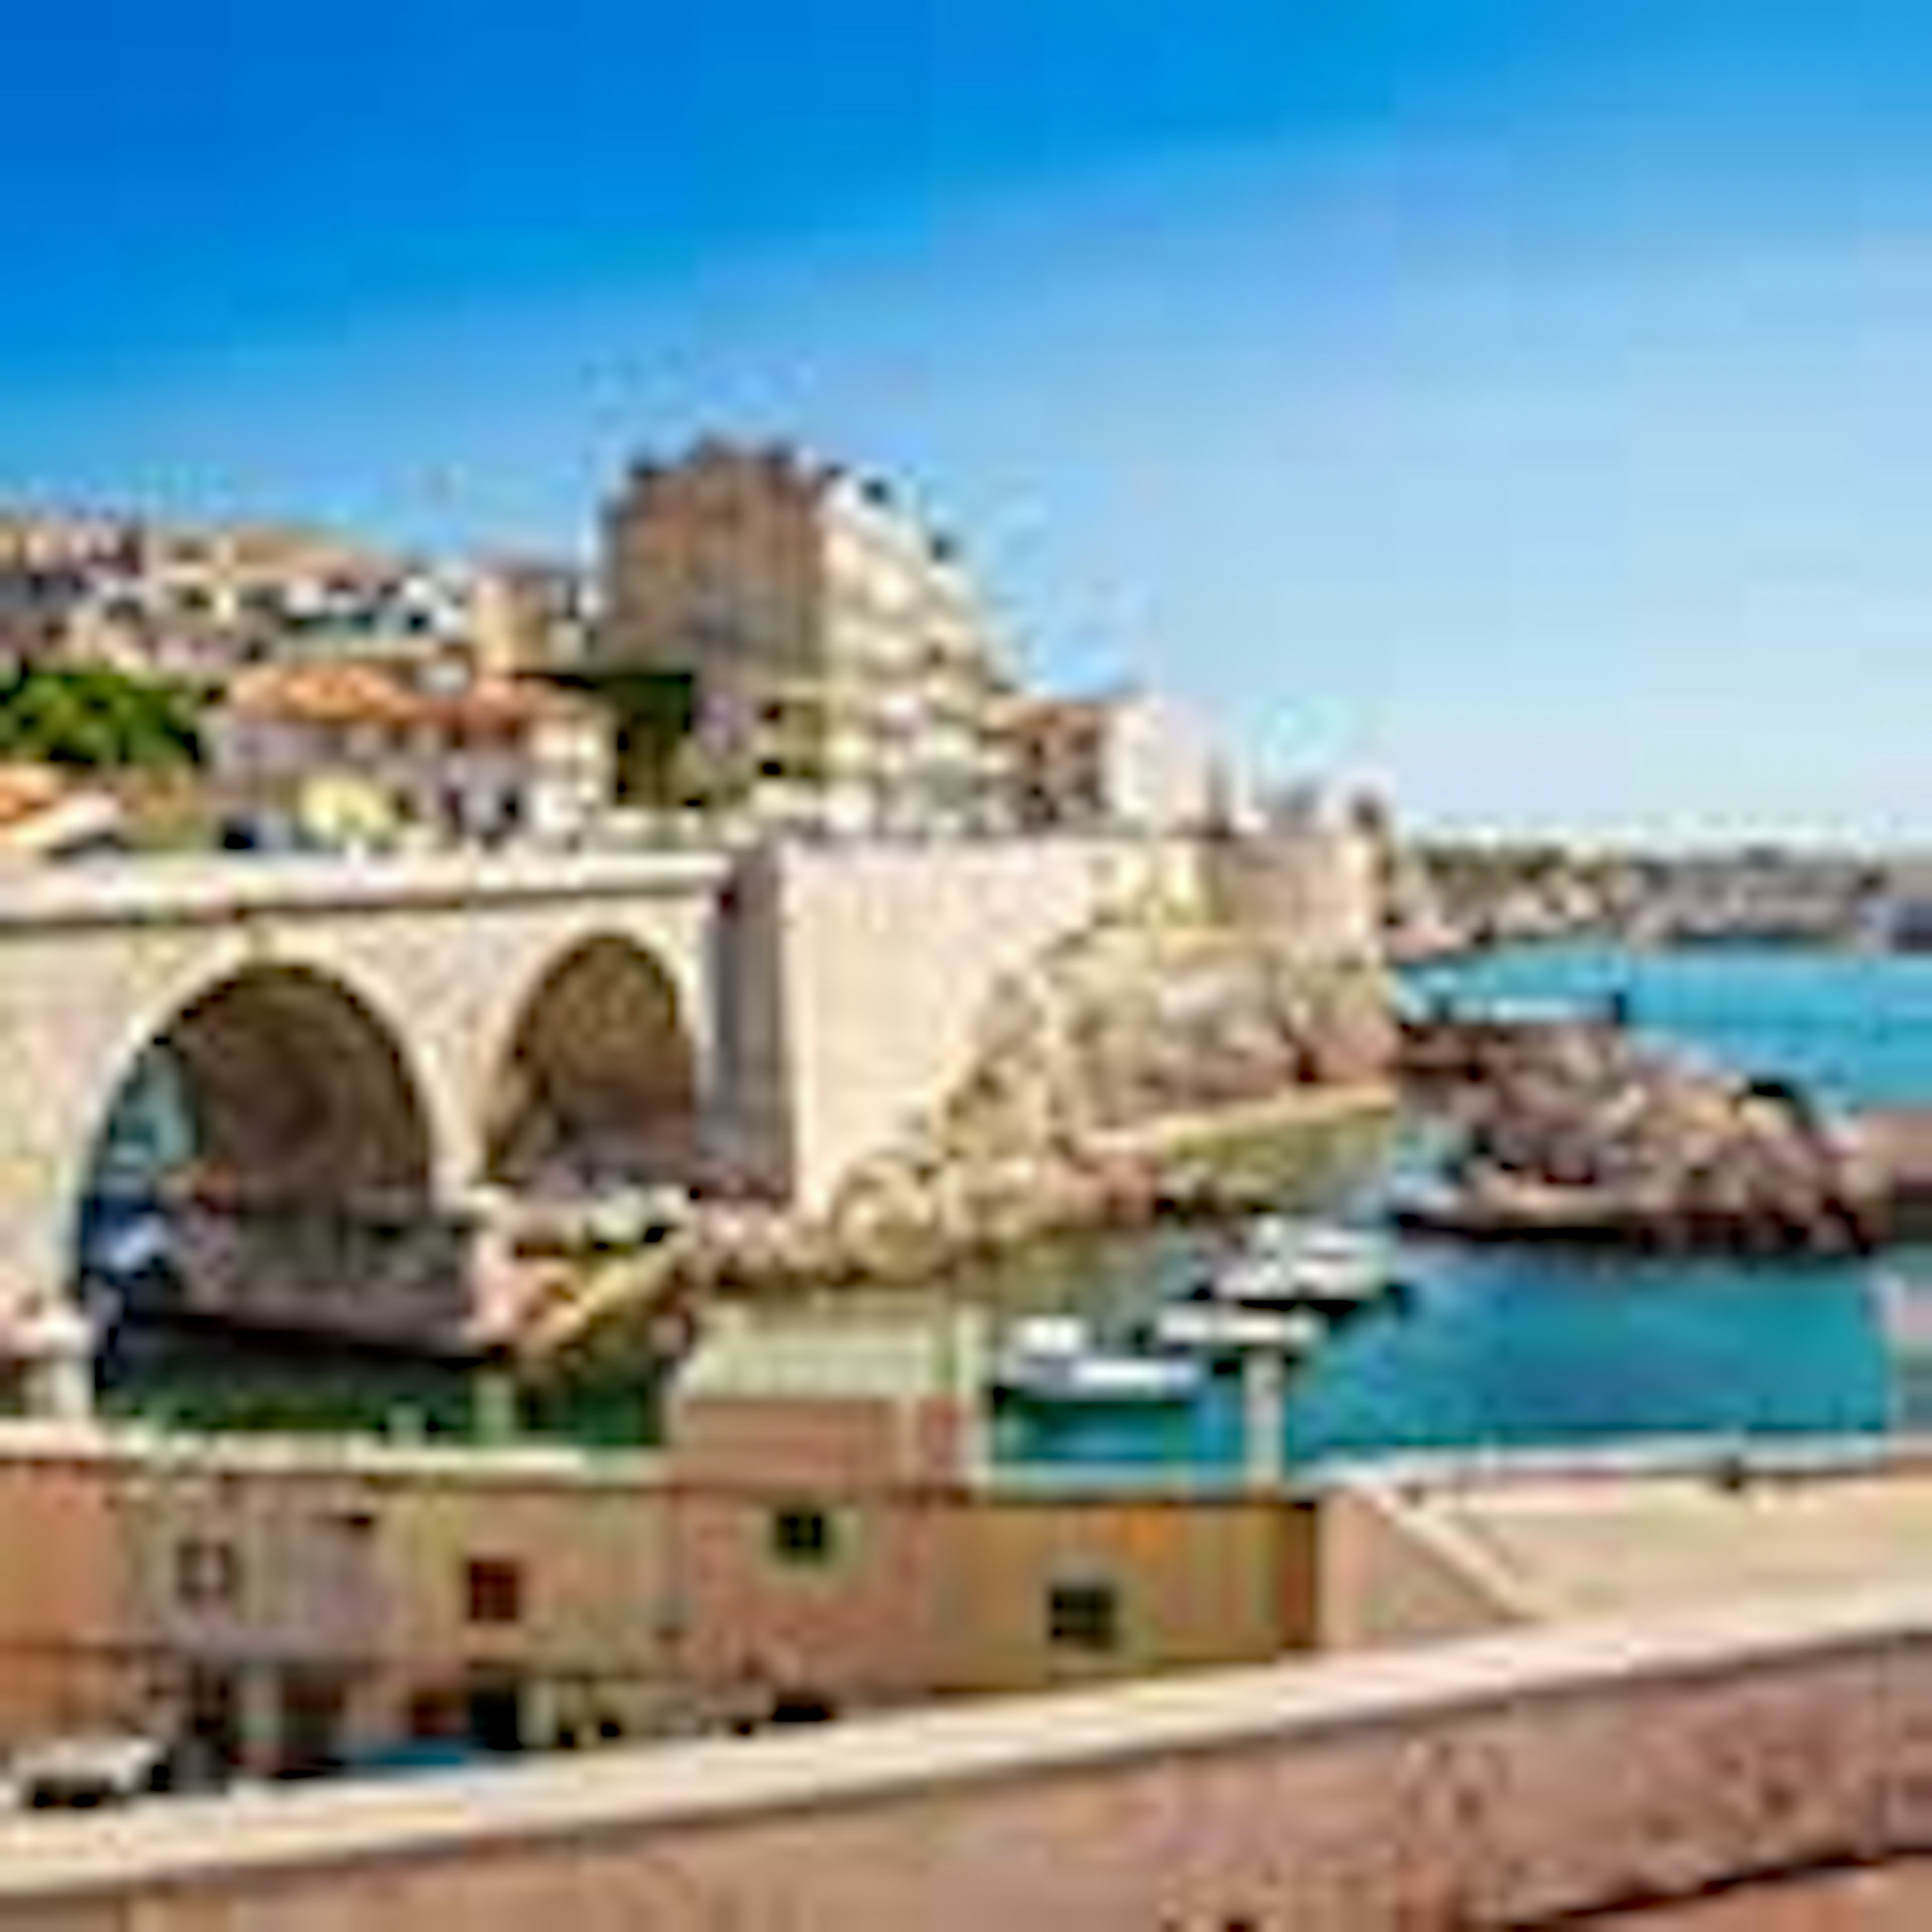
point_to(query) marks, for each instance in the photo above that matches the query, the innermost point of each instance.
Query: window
(208, 1575)
(1083, 1616)
(801, 1533)
(494, 1587)
(494, 1713)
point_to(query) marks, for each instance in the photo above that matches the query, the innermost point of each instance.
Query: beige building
(524, 615)
(207, 602)
(468, 760)
(819, 1536)
(848, 673)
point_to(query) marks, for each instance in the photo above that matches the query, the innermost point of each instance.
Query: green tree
(98, 719)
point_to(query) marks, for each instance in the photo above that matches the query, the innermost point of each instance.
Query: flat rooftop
(1596, 1541)
(847, 1351)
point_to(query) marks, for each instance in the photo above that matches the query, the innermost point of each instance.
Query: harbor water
(1492, 1346)
(1517, 1347)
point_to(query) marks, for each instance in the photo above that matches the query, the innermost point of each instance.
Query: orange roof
(27, 790)
(355, 694)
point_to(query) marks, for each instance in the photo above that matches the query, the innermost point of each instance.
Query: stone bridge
(357, 1047)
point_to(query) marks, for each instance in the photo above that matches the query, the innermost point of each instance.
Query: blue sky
(1526, 402)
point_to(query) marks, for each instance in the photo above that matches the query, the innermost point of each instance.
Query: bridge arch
(270, 1141)
(598, 1082)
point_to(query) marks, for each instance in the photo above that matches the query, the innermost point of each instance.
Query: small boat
(1054, 1358)
(1287, 1264)
(1223, 1329)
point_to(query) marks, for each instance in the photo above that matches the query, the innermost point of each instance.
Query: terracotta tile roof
(26, 791)
(351, 693)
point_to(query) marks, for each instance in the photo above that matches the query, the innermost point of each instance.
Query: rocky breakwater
(1581, 1132)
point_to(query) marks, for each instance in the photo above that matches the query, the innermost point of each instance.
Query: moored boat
(1224, 1331)
(1286, 1264)
(1054, 1358)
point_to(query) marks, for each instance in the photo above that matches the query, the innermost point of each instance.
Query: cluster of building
(782, 641)
(203, 603)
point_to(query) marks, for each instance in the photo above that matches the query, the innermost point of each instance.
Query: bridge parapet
(199, 887)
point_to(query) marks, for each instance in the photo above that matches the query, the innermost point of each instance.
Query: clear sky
(1527, 402)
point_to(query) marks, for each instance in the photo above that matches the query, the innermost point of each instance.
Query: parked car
(86, 1771)
(83, 1773)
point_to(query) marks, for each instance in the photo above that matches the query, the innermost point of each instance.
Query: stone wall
(862, 973)
(1382, 1581)
(442, 956)
(861, 977)
(1493, 1783)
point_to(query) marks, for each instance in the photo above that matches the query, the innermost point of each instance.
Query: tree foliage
(655, 712)
(97, 719)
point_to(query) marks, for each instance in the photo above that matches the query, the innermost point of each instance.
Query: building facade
(1130, 761)
(290, 1606)
(205, 603)
(462, 759)
(848, 675)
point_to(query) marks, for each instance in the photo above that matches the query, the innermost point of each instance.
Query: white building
(1133, 760)
(847, 671)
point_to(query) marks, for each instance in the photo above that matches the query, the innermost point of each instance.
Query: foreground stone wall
(1498, 1782)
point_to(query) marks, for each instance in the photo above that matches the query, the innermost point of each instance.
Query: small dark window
(801, 1535)
(208, 1575)
(1084, 1616)
(494, 1587)
(801, 1707)
(436, 1716)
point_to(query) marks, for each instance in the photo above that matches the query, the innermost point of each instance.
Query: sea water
(1501, 1346)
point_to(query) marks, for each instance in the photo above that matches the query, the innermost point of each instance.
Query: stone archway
(268, 1159)
(598, 1083)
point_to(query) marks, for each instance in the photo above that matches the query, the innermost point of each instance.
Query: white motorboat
(1054, 1358)
(1221, 1328)
(1289, 1264)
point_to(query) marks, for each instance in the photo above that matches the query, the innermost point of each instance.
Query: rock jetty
(1579, 1131)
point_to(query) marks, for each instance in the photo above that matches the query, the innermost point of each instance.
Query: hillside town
(763, 642)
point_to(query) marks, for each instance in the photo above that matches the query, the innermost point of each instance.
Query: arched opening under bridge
(268, 1161)
(598, 1085)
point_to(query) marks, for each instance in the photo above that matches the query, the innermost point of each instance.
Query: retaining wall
(1494, 1782)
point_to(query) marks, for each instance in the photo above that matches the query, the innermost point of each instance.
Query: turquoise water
(1856, 1028)
(1500, 1347)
